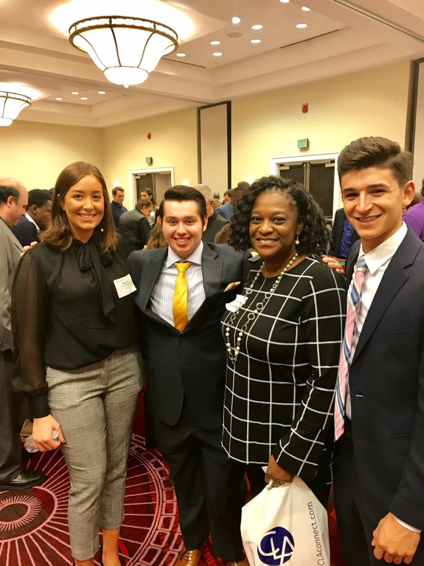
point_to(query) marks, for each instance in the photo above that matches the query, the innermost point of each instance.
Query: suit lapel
(212, 276)
(393, 280)
(149, 276)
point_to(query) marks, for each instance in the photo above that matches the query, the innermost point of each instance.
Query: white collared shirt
(28, 217)
(377, 261)
(162, 297)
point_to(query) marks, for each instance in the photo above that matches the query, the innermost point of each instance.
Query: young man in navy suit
(184, 353)
(379, 413)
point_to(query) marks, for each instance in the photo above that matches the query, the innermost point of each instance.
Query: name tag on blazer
(237, 303)
(124, 286)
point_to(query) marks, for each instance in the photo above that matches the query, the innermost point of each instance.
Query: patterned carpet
(33, 523)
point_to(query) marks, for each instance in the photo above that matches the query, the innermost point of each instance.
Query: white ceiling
(341, 36)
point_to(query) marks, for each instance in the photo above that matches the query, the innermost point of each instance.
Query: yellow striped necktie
(180, 296)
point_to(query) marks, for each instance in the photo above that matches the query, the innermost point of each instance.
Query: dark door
(145, 182)
(295, 172)
(321, 185)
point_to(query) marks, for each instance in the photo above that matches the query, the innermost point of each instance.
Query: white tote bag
(286, 525)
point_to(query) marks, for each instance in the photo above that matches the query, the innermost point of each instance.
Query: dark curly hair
(314, 237)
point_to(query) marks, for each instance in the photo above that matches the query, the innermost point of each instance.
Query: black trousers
(355, 523)
(11, 419)
(210, 488)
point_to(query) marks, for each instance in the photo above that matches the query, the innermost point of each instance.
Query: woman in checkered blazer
(283, 338)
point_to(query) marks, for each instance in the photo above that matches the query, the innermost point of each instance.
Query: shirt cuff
(409, 527)
(39, 406)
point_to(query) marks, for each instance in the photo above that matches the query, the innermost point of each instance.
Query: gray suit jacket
(10, 254)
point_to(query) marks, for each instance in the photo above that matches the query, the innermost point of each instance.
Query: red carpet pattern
(33, 523)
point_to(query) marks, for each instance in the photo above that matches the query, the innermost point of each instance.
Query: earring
(296, 243)
(102, 229)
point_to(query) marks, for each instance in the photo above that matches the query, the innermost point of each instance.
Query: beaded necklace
(252, 315)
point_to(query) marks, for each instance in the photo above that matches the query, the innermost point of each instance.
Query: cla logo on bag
(276, 547)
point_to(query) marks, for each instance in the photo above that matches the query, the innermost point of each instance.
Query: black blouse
(66, 313)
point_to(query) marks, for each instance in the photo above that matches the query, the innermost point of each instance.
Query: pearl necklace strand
(252, 315)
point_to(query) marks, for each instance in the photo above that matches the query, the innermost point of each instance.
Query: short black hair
(38, 197)
(7, 191)
(314, 237)
(183, 193)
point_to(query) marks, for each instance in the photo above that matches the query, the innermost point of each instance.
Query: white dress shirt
(162, 298)
(377, 261)
(28, 217)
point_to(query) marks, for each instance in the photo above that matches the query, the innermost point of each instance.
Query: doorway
(316, 173)
(158, 179)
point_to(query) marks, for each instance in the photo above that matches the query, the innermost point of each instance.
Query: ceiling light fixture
(101, 92)
(125, 49)
(257, 26)
(285, 1)
(58, 98)
(11, 104)
(84, 98)
(215, 42)
(181, 54)
(305, 9)
(236, 20)
(301, 26)
(75, 92)
(255, 41)
(217, 54)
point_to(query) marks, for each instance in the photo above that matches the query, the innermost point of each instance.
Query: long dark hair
(60, 234)
(314, 236)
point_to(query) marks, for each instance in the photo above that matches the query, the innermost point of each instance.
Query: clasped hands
(393, 542)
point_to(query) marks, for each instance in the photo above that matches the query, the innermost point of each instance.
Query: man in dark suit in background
(36, 219)
(118, 195)
(134, 225)
(379, 409)
(181, 295)
(343, 235)
(13, 204)
(215, 221)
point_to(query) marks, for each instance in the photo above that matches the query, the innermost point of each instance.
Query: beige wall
(173, 144)
(372, 102)
(36, 153)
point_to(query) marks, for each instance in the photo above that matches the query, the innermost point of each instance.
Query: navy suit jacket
(191, 364)
(337, 233)
(25, 231)
(386, 381)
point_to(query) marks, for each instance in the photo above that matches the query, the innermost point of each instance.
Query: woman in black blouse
(75, 334)
(283, 339)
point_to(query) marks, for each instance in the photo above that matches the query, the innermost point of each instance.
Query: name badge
(236, 304)
(124, 286)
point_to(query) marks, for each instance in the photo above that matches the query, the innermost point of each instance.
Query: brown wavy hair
(60, 234)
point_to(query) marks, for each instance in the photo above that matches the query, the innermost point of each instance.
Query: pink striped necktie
(353, 305)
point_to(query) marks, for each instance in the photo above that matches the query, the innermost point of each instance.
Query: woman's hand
(277, 473)
(26, 248)
(42, 434)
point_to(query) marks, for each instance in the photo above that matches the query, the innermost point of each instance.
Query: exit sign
(303, 144)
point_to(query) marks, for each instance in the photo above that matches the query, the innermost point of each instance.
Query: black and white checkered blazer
(280, 393)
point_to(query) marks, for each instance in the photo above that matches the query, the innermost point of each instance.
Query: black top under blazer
(387, 389)
(190, 364)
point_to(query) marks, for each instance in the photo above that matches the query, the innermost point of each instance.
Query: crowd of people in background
(268, 343)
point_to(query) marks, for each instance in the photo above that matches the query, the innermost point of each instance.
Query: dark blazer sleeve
(25, 232)
(336, 232)
(144, 231)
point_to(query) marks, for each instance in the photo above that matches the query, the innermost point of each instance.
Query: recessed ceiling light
(102, 92)
(215, 43)
(217, 54)
(305, 9)
(236, 20)
(181, 54)
(257, 26)
(84, 98)
(301, 26)
(285, 1)
(75, 92)
(255, 41)
(59, 98)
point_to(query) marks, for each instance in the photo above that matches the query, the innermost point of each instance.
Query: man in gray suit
(13, 204)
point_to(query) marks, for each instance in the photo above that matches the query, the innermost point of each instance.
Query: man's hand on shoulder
(393, 542)
(333, 262)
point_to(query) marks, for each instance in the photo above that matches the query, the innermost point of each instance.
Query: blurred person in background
(215, 221)
(37, 218)
(134, 225)
(118, 195)
(148, 194)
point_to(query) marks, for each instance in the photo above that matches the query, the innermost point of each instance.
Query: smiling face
(84, 206)
(274, 225)
(373, 201)
(182, 226)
